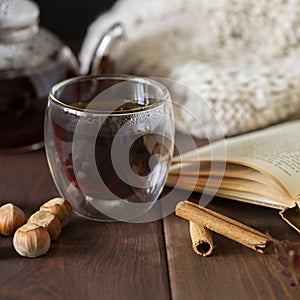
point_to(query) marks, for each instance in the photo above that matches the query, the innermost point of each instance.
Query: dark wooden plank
(90, 260)
(233, 271)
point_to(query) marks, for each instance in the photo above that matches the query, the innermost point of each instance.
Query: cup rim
(78, 110)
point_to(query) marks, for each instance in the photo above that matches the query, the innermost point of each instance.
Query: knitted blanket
(240, 56)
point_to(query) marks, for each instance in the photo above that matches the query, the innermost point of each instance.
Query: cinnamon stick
(201, 237)
(223, 225)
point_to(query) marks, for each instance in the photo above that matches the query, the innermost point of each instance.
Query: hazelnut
(60, 207)
(31, 240)
(48, 220)
(11, 218)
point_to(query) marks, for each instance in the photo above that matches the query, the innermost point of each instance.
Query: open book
(262, 167)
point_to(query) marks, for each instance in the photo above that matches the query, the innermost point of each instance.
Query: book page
(274, 150)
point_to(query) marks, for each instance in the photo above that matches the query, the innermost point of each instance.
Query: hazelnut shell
(31, 240)
(11, 218)
(49, 221)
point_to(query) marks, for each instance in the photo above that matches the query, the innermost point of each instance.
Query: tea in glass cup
(109, 143)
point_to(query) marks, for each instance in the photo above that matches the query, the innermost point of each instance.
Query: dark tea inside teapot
(32, 60)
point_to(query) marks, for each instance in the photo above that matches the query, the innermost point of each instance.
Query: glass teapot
(32, 60)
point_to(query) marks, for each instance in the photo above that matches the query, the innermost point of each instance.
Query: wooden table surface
(93, 260)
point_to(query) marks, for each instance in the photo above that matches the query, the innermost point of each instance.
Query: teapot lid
(18, 13)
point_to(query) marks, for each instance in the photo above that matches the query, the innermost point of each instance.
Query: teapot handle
(114, 32)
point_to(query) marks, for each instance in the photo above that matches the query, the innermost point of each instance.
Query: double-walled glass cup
(109, 143)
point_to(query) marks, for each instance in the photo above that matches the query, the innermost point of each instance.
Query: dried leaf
(288, 255)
